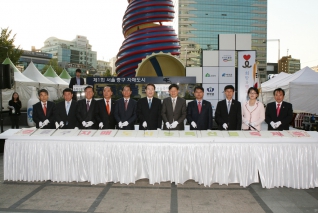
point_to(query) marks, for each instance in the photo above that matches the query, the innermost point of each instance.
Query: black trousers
(15, 120)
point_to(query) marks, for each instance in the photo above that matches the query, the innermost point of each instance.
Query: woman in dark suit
(14, 113)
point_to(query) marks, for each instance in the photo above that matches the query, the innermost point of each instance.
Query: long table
(282, 161)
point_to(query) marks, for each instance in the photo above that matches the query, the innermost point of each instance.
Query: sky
(293, 22)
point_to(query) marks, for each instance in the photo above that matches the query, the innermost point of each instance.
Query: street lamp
(278, 40)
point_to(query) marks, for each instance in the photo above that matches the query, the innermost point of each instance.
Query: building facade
(39, 59)
(72, 54)
(288, 64)
(102, 67)
(201, 21)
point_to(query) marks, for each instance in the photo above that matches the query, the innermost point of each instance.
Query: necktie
(149, 103)
(107, 107)
(87, 106)
(278, 110)
(126, 104)
(173, 104)
(44, 108)
(228, 107)
(199, 106)
(67, 107)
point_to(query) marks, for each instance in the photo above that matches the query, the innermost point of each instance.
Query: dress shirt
(109, 103)
(78, 81)
(90, 101)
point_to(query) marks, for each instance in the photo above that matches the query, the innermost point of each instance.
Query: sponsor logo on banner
(227, 58)
(210, 89)
(208, 75)
(227, 75)
(210, 92)
(247, 63)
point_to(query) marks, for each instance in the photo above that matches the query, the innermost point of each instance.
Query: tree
(107, 73)
(7, 47)
(54, 63)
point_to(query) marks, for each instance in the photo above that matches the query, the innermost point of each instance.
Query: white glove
(144, 124)
(46, 122)
(89, 124)
(278, 123)
(76, 128)
(101, 125)
(225, 126)
(174, 124)
(246, 123)
(193, 124)
(57, 125)
(84, 123)
(120, 124)
(40, 124)
(158, 129)
(273, 125)
(167, 125)
(11, 107)
(125, 123)
(61, 124)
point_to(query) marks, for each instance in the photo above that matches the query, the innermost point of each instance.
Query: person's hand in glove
(193, 124)
(167, 125)
(46, 122)
(120, 124)
(144, 124)
(89, 124)
(225, 126)
(40, 124)
(76, 128)
(273, 125)
(174, 124)
(61, 124)
(278, 123)
(101, 125)
(57, 125)
(84, 124)
(125, 123)
(246, 123)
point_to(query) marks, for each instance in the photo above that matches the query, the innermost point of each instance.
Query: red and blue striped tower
(150, 48)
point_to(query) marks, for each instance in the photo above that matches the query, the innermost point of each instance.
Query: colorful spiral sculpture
(145, 36)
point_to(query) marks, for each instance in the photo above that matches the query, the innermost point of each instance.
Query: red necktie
(107, 107)
(44, 108)
(199, 106)
(278, 110)
(126, 104)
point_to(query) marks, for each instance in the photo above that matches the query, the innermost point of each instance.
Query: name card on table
(43, 132)
(191, 134)
(278, 134)
(66, 132)
(255, 134)
(209, 133)
(105, 133)
(26, 131)
(168, 134)
(148, 133)
(233, 134)
(298, 133)
(87, 133)
(126, 133)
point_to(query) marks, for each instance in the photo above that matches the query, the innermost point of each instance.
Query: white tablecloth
(291, 162)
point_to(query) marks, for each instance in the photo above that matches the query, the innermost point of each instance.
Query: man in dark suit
(65, 113)
(77, 80)
(105, 110)
(279, 114)
(86, 110)
(228, 114)
(125, 110)
(174, 110)
(149, 110)
(199, 112)
(43, 111)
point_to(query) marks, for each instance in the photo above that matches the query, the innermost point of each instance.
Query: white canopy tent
(300, 90)
(33, 73)
(52, 76)
(22, 85)
(267, 87)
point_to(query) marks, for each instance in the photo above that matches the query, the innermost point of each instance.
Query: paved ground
(142, 197)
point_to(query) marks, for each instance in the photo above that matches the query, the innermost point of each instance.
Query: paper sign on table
(43, 132)
(126, 133)
(87, 133)
(147, 133)
(26, 131)
(298, 133)
(255, 134)
(105, 133)
(233, 134)
(279, 134)
(168, 133)
(191, 134)
(66, 132)
(210, 133)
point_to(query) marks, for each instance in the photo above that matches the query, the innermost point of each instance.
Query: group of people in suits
(122, 114)
(232, 115)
